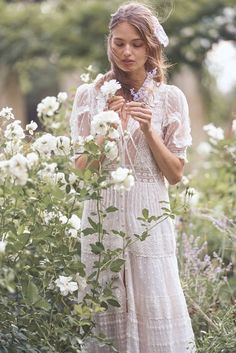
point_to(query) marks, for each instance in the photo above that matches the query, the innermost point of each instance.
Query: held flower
(122, 179)
(109, 88)
(65, 285)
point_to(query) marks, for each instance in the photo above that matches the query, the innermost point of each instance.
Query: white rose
(122, 179)
(109, 88)
(63, 219)
(102, 122)
(14, 130)
(45, 144)
(216, 133)
(111, 150)
(65, 285)
(48, 171)
(3, 245)
(48, 106)
(62, 97)
(6, 113)
(31, 127)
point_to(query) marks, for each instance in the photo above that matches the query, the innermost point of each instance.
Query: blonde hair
(141, 17)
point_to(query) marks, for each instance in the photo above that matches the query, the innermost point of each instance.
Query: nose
(127, 50)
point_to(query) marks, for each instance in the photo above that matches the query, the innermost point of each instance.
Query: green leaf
(145, 213)
(113, 302)
(88, 231)
(93, 224)
(116, 265)
(97, 248)
(111, 209)
(31, 293)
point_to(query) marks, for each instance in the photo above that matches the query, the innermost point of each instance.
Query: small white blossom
(204, 148)
(63, 145)
(122, 179)
(6, 113)
(216, 133)
(55, 125)
(111, 150)
(48, 106)
(63, 219)
(113, 133)
(31, 127)
(45, 144)
(62, 97)
(47, 172)
(65, 285)
(18, 169)
(184, 180)
(75, 222)
(3, 245)
(193, 196)
(89, 138)
(85, 77)
(109, 88)
(14, 131)
(32, 159)
(13, 146)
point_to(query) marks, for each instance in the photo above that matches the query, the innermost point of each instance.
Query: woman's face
(129, 48)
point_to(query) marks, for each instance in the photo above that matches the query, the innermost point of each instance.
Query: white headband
(159, 32)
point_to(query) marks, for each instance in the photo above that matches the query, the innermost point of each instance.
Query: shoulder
(170, 91)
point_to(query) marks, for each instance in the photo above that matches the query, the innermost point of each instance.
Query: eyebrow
(133, 40)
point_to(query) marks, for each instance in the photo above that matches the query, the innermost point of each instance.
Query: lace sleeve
(176, 126)
(80, 115)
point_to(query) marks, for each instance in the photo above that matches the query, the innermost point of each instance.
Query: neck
(136, 80)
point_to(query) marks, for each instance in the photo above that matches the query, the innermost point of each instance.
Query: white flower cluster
(73, 224)
(103, 124)
(6, 113)
(122, 179)
(109, 88)
(48, 144)
(14, 131)
(111, 150)
(50, 105)
(3, 245)
(215, 133)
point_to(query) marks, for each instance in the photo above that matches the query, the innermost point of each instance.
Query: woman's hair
(141, 17)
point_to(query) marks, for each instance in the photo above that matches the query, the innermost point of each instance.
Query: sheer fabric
(153, 316)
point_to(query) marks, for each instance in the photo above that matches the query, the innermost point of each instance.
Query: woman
(153, 316)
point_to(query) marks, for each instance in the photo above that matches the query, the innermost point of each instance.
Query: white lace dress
(153, 316)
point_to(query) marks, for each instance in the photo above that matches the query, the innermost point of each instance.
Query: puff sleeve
(176, 124)
(80, 116)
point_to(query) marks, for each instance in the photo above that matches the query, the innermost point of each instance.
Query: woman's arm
(170, 165)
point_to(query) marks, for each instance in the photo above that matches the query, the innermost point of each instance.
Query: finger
(115, 107)
(136, 104)
(140, 115)
(139, 109)
(115, 99)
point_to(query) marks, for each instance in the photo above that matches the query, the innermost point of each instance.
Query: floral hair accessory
(159, 32)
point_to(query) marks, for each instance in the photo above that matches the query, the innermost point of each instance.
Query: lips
(128, 61)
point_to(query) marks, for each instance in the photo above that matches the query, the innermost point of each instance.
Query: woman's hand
(142, 113)
(117, 104)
